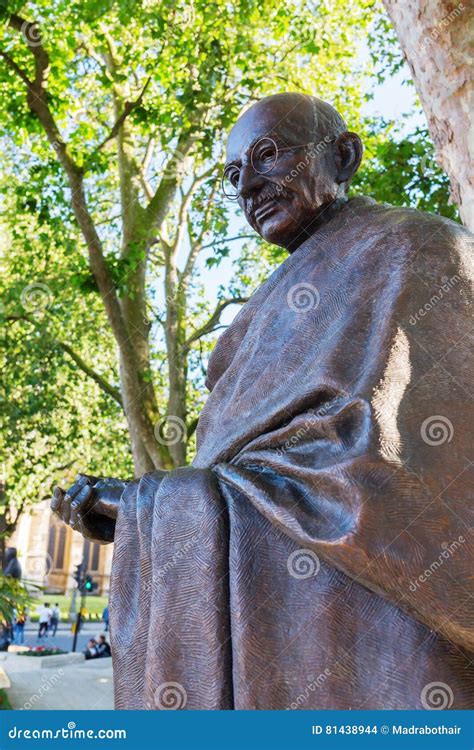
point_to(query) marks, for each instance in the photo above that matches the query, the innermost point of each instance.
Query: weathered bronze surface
(318, 553)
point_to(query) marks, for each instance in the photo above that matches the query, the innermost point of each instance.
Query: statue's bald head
(317, 156)
(292, 116)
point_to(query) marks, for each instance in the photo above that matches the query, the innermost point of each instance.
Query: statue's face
(282, 183)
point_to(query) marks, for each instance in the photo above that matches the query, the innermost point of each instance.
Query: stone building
(49, 552)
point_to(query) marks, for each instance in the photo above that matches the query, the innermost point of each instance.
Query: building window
(95, 556)
(51, 547)
(60, 549)
(56, 547)
(91, 556)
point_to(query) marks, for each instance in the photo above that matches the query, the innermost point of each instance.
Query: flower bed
(43, 651)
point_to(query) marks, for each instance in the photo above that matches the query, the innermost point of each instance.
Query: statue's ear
(348, 155)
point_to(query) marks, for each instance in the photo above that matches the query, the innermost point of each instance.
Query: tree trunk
(141, 458)
(139, 403)
(436, 38)
(175, 330)
(177, 411)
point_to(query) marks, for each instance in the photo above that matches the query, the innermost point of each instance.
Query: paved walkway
(86, 686)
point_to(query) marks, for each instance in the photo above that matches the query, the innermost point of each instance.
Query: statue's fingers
(80, 482)
(66, 508)
(73, 494)
(80, 501)
(81, 505)
(86, 479)
(57, 500)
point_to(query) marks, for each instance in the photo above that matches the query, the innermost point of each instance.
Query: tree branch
(184, 207)
(158, 206)
(196, 243)
(143, 169)
(191, 427)
(230, 239)
(16, 68)
(101, 382)
(148, 154)
(128, 108)
(212, 322)
(38, 104)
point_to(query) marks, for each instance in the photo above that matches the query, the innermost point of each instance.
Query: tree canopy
(115, 234)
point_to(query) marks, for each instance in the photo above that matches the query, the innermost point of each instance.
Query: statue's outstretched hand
(90, 506)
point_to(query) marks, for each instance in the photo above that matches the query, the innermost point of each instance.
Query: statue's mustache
(272, 191)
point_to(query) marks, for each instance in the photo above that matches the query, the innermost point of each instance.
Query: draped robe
(317, 554)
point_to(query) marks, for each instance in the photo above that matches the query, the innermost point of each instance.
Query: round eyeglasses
(263, 158)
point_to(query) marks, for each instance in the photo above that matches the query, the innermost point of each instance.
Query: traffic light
(78, 575)
(89, 584)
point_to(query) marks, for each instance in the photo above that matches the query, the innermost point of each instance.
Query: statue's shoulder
(421, 246)
(418, 227)
(408, 234)
(431, 249)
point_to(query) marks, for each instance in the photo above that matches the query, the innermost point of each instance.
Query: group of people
(48, 619)
(97, 648)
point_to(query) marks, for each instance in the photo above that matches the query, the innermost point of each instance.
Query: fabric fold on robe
(318, 553)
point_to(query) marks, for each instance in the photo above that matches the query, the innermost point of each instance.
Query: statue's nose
(249, 181)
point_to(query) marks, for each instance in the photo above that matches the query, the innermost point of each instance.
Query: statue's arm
(90, 506)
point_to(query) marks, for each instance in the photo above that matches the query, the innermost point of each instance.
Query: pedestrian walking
(45, 614)
(55, 618)
(19, 628)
